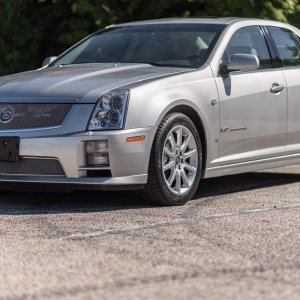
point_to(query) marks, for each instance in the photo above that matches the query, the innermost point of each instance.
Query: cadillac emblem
(6, 115)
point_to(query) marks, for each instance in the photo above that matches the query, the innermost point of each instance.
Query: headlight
(110, 111)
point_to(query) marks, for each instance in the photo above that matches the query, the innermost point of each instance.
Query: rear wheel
(175, 162)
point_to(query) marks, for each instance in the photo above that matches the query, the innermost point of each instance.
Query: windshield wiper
(156, 64)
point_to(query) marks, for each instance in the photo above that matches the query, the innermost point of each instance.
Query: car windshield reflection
(178, 45)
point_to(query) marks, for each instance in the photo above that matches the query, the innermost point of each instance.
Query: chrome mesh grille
(35, 115)
(32, 167)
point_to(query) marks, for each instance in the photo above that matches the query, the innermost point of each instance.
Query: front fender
(150, 102)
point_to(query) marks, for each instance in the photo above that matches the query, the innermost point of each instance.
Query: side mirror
(48, 60)
(241, 62)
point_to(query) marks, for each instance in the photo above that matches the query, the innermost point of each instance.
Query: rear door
(288, 47)
(253, 119)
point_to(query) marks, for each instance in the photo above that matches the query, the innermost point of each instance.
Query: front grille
(35, 115)
(32, 167)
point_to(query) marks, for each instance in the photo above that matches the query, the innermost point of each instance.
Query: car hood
(83, 83)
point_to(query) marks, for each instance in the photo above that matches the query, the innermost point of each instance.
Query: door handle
(277, 88)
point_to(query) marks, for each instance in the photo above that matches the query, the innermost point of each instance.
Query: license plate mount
(9, 148)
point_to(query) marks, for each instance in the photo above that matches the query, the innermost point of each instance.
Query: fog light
(97, 153)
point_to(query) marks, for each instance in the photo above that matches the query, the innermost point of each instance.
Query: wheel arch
(191, 112)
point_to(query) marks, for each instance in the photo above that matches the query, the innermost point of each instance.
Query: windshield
(180, 45)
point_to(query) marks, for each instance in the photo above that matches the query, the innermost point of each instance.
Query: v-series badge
(224, 130)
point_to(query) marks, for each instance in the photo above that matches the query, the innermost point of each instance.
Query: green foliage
(33, 29)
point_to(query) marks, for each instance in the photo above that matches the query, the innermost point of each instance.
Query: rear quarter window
(287, 44)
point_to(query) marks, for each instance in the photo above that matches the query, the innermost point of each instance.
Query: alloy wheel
(180, 160)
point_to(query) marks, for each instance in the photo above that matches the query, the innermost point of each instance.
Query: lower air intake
(32, 167)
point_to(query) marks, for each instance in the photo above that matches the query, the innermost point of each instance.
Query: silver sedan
(155, 106)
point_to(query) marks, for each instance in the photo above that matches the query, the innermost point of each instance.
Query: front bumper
(128, 161)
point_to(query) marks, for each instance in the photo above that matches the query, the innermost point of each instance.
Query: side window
(249, 40)
(287, 44)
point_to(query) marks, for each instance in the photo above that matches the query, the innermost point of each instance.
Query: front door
(253, 115)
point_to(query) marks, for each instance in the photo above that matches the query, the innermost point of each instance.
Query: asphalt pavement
(238, 239)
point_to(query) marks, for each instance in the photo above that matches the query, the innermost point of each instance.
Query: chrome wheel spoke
(169, 165)
(178, 182)
(185, 179)
(179, 138)
(172, 177)
(190, 168)
(186, 142)
(172, 142)
(169, 153)
(190, 153)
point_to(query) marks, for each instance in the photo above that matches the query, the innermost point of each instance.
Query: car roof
(209, 20)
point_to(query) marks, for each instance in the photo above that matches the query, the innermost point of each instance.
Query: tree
(33, 29)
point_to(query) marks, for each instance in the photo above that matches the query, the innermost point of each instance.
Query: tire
(182, 160)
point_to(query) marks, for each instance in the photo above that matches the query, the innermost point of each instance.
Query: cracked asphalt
(238, 239)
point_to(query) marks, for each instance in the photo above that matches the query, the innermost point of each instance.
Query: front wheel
(175, 162)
